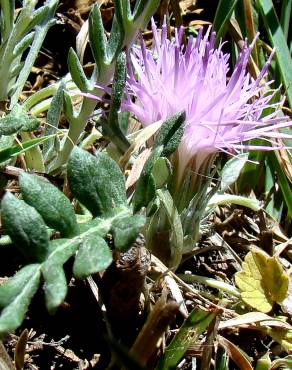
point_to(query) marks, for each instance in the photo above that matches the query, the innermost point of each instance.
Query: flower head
(222, 113)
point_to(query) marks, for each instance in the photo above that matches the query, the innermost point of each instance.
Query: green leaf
(231, 170)
(113, 128)
(177, 235)
(161, 172)
(44, 20)
(116, 38)
(26, 228)
(97, 37)
(15, 70)
(53, 272)
(15, 285)
(51, 203)
(97, 182)
(23, 44)
(17, 120)
(220, 199)
(145, 192)
(125, 230)
(286, 17)
(93, 256)
(53, 118)
(223, 14)
(197, 321)
(8, 153)
(68, 106)
(146, 187)
(37, 17)
(77, 73)
(170, 133)
(7, 17)
(278, 41)
(13, 314)
(6, 142)
(144, 9)
(262, 281)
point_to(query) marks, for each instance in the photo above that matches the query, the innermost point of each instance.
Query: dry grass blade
(285, 161)
(137, 168)
(176, 294)
(5, 360)
(209, 343)
(252, 318)
(234, 353)
(20, 350)
(149, 337)
(140, 139)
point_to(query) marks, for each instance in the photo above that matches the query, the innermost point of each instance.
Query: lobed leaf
(116, 38)
(13, 314)
(262, 281)
(53, 205)
(97, 37)
(93, 256)
(25, 227)
(53, 272)
(17, 120)
(125, 230)
(43, 19)
(112, 127)
(76, 71)
(53, 118)
(23, 44)
(97, 182)
(15, 285)
(143, 10)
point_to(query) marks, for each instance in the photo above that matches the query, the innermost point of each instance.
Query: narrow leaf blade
(197, 321)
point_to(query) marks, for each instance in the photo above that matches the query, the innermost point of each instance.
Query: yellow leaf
(283, 336)
(262, 281)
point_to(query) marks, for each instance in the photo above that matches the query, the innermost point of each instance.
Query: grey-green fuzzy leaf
(26, 228)
(52, 204)
(15, 285)
(97, 182)
(125, 230)
(13, 314)
(17, 120)
(55, 280)
(93, 256)
(170, 133)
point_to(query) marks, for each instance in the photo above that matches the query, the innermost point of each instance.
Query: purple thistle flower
(221, 114)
